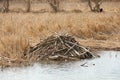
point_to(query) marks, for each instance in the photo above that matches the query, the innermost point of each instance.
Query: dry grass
(21, 30)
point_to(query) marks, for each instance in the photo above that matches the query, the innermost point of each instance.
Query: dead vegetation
(19, 31)
(54, 4)
(58, 48)
(94, 5)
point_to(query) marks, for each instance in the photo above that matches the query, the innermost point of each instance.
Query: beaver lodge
(59, 48)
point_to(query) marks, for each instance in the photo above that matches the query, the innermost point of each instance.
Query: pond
(107, 67)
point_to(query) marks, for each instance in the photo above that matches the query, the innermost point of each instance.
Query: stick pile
(60, 48)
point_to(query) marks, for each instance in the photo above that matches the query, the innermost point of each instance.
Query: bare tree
(28, 6)
(54, 4)
(5, 7)
(97, 4)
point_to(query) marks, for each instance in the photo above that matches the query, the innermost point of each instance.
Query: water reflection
(107, 67)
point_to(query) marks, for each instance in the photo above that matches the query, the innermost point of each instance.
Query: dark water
(107, 67)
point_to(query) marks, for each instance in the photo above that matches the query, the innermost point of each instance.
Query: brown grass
(21, 30)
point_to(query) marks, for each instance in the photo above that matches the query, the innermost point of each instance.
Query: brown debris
(59, 48)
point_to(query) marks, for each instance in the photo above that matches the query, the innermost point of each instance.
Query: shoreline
(24, 63)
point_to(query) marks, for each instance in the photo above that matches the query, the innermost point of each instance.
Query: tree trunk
(97, 7)
(54, 4)
(97, 3)
(28, 6)
(5, 6)
(90, 5)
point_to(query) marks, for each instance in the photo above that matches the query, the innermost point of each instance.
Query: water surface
(107, 67)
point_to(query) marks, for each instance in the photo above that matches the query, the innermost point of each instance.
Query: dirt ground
(18, 31)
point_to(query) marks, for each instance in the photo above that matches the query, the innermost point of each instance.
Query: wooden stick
(70, 48)
(80, 47)
(61, 40)
(73, 49)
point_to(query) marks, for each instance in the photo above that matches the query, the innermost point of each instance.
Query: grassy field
(18, 31)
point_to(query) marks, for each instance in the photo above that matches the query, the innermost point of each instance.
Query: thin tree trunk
(90, 5)
(5, 6)
(28, 6)
(54, 4)
(97, 3)
(97, 7)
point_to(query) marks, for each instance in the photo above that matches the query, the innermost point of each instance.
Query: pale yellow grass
(19, 31)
